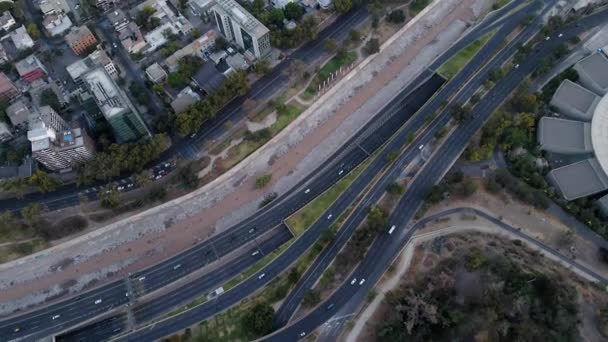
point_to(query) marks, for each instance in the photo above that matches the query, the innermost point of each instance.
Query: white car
(252, 230)
(177, 266)
(126, 294)
(98, 301)
(261, 276)
(167, 164)
(354, 281)
(560, 35)
(516, 66)
(329, 216)
(547, 38)
(130, 185)
(120, 188)
(142, 278)
(340, 173)
(158, 177)
(302, 334)
(115, 45)
(55, 317)
(362, 281)
(192, 135)
(420, 147)
(306, 191)
(255, 253)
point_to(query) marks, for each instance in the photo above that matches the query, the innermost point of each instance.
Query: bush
(311, 298)
(269, 198)
(372, 46)
(63, 228)
(396, 17)
(262, 181)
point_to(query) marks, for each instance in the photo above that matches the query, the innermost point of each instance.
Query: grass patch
(303, 218)
(257, 266)
(20, 249)
(500, 4)
(238, 152)
(450, 68)
(417, 5)
(330, 67)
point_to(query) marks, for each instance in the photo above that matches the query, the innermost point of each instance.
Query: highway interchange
(347, 298)
(198, 257)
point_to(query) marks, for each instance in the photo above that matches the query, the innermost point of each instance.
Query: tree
(276, 17)
(49, 98)
(343, 6)
(311, 298)
(293, 11)
(220, 43)
(31, 214)
(496, 75)
(376, 219)
(330, 45)
(43, 181)
(293, 276)
(139, 93)
(143, 178)
(372, 46)
(354, 36)
(196, 32)
(262, 67)
(258, 321)
(392, 156)
(33, 31)
(395, 189)
(560, 51)
(188, 175)
(396, 16)
(110, 197)
(262, 181)
(469, 187)
(460, 113)
(7, 222)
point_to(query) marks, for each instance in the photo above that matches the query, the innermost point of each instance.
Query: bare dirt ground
(422, 258)
(141, 240)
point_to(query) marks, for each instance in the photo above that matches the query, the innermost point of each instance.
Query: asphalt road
(199, 254)
(458, 90)
(226, 299)
(386, 247)
(106, 328)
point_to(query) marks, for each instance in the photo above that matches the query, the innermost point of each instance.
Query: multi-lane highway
(385, 248)
(200, 255)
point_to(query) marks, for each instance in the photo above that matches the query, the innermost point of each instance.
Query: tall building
(54, 143)
(239, 26)
(80, 39)
(97, 58)
(115, 106)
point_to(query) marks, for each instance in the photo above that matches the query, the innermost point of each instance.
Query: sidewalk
(149, 237)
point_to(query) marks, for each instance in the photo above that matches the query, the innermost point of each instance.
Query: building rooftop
(564, 136)
(156, 72)
(579, 179)
(108, 96)
(575, 101)
(195, 48)
(97, 57)
(156, 38)
(77, 33)
(28, 64)
(186, 98)
(593, 73)
(6, 18)
(56, 23)
(117, 17)
(18, 113)
(5, 83)
(26, 169)
(21, 38)
(242, 17)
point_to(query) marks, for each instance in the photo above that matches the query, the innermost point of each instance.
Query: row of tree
(40, 180)
(193, 119)
(119, 158)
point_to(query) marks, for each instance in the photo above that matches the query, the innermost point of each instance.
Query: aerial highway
(187, 148)
(347, 298)
(195, 258)
(458, 90)
(208, 308)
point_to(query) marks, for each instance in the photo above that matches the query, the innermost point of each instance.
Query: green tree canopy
(258, 320)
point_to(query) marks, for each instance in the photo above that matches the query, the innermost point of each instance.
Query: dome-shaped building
(582, 132)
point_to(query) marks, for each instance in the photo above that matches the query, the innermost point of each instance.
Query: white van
(390, 231)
